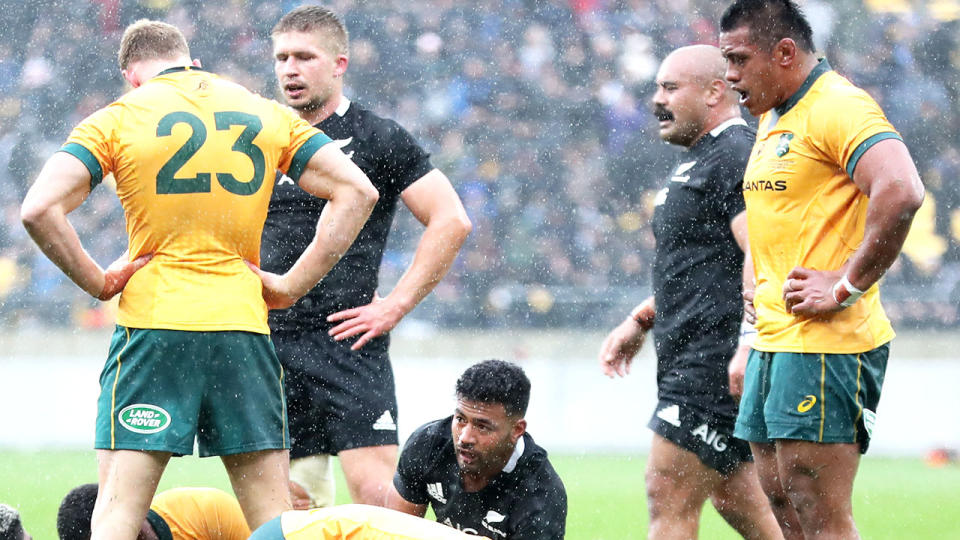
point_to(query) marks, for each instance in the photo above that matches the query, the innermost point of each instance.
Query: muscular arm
(61, 187)
(888, 176)
(435, 203)
(330, 175)
(395, 501)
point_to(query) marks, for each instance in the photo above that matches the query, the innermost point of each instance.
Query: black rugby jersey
(697, 271)
(392, 160)
(526, 500)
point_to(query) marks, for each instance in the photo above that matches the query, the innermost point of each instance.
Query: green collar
(178, 68)
(822, 67)
(159, 525)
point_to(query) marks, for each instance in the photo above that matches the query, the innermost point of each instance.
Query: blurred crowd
(538, 111)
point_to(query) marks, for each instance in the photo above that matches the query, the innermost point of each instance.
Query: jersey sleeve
(411, 469)
(851, 126)
(729, 176)
(91, 143)
(305, 140)
(403, 160)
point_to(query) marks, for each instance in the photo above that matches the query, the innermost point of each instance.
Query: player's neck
(798, 76)
(315, 116)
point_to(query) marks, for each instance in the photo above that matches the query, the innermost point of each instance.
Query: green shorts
(161, 389)
(826, 398)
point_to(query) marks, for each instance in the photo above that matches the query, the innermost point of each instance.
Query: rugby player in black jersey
(696, 309)
(333, 343)
(479, 469)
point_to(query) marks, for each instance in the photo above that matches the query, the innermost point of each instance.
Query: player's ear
(341, 67)
(196, 62)
(785, 52)
(716, 91)
(519, 428)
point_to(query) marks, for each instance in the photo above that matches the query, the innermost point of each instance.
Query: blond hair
(316, 19)
(149, 40)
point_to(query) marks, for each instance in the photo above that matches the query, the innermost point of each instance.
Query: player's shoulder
(430, 436)
(738, 138)
(372, 126)
(839, 95)
(535, 468)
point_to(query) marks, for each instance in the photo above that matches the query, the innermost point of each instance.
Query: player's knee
(667, 493)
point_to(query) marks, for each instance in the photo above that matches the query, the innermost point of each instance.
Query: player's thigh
(825, 398)
(822, 471)
(676, 476)
(150, 392)
(369, 461)
(708, 437)
(243, 408)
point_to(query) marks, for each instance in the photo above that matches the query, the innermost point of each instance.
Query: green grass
(893, 499)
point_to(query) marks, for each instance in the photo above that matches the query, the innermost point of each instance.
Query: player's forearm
(438, 248)
(58, 240)
(341, 220)
(889, 215)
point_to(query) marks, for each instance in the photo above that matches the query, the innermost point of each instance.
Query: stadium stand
(537, 110)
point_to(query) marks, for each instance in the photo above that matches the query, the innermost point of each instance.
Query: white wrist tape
(844, 293)
(747, 334)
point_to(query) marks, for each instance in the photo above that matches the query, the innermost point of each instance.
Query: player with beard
(480, 469)
(696, 308)
(334, 343)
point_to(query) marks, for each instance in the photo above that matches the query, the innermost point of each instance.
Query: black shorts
(337, 399)
(710, 438)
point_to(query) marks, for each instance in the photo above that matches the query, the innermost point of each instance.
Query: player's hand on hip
(749, 310)
(810, 292)
(116, 276)
(276, 293)
(369, 321)
(735, 370)
(619, 348)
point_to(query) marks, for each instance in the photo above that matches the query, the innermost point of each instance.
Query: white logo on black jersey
(682, 168)
(670, 415)
(385, 422)
(494, 517)
(284, 179)
(711, 437)
(436, 492)
(343, 143)
(661, 196)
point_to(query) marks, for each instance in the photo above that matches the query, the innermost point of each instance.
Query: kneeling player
(479, 468)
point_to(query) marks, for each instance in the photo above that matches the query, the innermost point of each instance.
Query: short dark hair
(311, 19)
(496, 381)
(769, 21)
(10, 526)
(76, 510)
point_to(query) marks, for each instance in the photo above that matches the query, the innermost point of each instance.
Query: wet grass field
(894, 498)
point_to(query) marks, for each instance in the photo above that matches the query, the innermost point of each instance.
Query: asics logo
(808, 402)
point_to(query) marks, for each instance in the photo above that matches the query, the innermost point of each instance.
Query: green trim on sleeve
(88, 159)
(159, 525)
(304, 153)
(865, 145)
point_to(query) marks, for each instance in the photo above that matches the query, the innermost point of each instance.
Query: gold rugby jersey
(363, 522)
(803, 209)
(198, 514)
(194, 157)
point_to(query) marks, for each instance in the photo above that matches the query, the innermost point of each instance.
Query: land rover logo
(143, 418)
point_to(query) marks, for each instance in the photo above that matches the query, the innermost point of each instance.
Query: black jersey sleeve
(730, 169)
(414, 462)
(402, 160)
